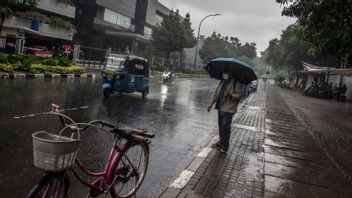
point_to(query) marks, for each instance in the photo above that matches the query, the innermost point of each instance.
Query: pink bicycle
(124, 171)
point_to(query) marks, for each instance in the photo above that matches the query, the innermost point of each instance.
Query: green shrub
(159, 68)
(26, 64)
(66, 70)
(14, 58)
(76, 70)
(63, 61)
(51, 62)
(3, 58)
(38, 68)
(6, 68)
(279, 78)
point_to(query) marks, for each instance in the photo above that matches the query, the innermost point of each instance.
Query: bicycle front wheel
(130, 171)
(52, 185)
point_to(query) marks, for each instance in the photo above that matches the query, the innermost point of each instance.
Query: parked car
(40, 51)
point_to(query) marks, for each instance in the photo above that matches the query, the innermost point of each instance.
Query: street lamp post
(200, 24)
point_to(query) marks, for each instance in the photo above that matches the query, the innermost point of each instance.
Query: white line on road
(43, 113)
(204, 153)
(183, 179)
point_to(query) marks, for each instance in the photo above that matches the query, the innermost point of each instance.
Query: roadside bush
(27, 61)
(51, 62)
(279, 78)
(3, 58)
(63, 61)
(66, 70)
(14, 58)
(76, 70)
(159, 68)
(6, 68)
(197, 72)
(38, 68)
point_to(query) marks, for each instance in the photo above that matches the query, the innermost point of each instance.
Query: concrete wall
(155, 6)
(125, 7)
(162, 9)
(152, 5)
(57, 7)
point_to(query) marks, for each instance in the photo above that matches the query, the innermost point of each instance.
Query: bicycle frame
(105, 179)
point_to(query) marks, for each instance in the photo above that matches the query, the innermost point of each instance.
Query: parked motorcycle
(167, 77)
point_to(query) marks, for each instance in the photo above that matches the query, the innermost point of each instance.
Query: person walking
(226, 97)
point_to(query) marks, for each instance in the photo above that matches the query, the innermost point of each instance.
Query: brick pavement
(272, 154)
(238, 173)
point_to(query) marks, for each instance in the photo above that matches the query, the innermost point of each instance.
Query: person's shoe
(216, 145)
(223, 150)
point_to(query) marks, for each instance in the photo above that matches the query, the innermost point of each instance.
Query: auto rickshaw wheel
(107, 93)
(145, 93)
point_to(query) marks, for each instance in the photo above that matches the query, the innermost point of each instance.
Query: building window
(147, 31)
(110, 16)
(123, 21)
(116, 18)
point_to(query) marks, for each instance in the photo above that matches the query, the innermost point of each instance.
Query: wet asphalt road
(175, 112)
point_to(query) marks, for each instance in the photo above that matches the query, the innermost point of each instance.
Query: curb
(177, 185)
(44, 76)
(180, 182)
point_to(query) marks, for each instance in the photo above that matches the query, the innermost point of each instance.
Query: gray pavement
(272, 154)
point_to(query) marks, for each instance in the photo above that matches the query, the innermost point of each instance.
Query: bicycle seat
(123, 132)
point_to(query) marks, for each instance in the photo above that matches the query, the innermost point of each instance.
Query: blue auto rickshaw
(125, 74)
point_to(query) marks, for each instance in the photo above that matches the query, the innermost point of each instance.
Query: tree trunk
(2, 22)
(346, 60)
(181, 59)
(167, 59)
(341, 64)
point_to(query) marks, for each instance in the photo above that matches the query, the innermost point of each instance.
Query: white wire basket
(54, 152)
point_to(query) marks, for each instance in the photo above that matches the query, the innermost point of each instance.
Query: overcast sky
(250, 20)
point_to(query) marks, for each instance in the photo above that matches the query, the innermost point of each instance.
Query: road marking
(45, 113)
(241, 126)
(183, 179)
(204, 153)
(186, 175)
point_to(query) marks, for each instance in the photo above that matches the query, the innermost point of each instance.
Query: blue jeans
(224, 122)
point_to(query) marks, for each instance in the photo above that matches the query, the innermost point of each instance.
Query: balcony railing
(44, 29)
(57, 7)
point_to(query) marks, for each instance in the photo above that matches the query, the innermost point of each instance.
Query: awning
(312, 69)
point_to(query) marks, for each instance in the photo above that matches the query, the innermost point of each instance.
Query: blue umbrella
(239, 69)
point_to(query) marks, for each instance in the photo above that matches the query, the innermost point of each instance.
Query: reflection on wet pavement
(295, 165)
(175, 112)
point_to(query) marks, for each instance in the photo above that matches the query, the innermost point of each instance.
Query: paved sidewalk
(239, 173)
(272, 154)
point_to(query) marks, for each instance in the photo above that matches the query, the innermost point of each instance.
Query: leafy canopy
(218, 46)
(174, 34)
(325, 24)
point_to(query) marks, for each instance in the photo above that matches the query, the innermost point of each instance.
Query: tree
(10, 7)
(273, 53)
(287, 52)
(326, 25)
(218, 46)
(188, 32)
(247, 50)
(173, 35)
(214, 46)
